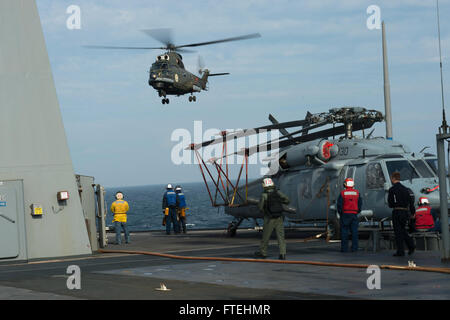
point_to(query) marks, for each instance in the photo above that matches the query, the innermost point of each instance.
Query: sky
(312, 55)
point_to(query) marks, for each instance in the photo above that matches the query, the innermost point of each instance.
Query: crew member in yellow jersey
(120, 208)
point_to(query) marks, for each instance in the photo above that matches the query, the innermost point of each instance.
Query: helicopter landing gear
(163, 94)
(334, 229)
(192, 98)
(232, 227)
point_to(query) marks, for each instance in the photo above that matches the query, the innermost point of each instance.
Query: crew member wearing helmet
(181, 209)
(120, 208)
(169, 206)
(423, 218)
(271, 205)
(402, 204)
(348, 206)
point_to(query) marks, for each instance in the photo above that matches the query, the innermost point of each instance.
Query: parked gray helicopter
(311, 167)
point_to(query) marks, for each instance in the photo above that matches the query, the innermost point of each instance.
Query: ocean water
(146, 208)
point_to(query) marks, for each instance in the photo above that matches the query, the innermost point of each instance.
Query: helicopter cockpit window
(407, 172)
(423, 169)
(433, 164)
(374, 176)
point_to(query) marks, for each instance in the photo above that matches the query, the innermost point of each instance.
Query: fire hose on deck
(314, 263)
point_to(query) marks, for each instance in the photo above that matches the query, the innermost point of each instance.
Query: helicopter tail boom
(206, 74)
(218, 74)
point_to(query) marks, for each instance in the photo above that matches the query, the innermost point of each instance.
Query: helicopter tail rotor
(200, 65)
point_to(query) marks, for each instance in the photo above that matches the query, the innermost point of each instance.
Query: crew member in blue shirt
(181, 208)
(169, 206)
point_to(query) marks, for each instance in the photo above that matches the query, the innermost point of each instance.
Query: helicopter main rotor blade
(127, 48)
(184, 50)
(244, 37)
(137, 48)
(163, 35)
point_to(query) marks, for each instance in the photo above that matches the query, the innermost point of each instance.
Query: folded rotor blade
(248, 132)
(279, 143)
(282, 130)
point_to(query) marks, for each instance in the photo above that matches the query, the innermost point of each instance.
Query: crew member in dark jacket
(271, 205)
(399, 199)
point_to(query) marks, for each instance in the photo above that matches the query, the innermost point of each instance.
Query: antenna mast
(444, 126)
(442, 174)
(387, 87)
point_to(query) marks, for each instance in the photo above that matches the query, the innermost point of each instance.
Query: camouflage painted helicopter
(168, 75)
(310, 167)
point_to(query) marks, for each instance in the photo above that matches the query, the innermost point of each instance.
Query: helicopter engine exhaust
(320, 151)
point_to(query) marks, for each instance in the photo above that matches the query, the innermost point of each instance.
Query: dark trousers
(349, 221)
(172, 219)
(182, 224)
(399, 220)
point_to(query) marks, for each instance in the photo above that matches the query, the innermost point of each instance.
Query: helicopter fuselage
(370, 162)
(169, 77)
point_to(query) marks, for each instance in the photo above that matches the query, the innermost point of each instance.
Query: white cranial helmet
(423, 200)
(267, 182)
(349, 183)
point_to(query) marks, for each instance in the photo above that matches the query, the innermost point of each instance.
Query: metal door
(9, 225)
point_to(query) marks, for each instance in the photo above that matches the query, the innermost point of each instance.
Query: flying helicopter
(311, 167)
(167, 74)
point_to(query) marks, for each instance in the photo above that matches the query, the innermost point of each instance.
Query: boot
(259, 255)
